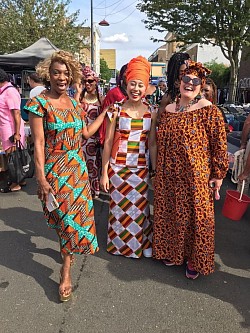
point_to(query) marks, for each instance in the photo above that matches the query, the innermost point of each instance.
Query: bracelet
(151, 174)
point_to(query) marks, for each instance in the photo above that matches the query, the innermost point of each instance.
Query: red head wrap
(87, 71)
(138, 69)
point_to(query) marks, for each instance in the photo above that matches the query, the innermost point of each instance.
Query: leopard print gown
(191, 150)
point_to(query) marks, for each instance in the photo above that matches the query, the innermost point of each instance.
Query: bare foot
(65, 287)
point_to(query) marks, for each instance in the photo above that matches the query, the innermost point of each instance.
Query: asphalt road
(116, 294)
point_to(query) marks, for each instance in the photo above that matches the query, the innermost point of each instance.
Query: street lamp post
(103, 23)
(91, 35)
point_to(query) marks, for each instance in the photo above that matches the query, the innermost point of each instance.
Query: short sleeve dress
(66, 171)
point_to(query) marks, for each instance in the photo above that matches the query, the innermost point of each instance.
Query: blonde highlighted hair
(63, 57)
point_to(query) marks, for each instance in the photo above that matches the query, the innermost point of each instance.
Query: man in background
(36, 85)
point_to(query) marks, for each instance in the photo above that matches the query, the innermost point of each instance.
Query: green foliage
(220, 73)
(104, 70)
(23, 22)
(219, 22)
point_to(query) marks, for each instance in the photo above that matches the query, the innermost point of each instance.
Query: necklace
(91, 100)
(183, 108)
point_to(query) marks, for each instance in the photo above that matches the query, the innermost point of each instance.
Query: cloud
(117, 38)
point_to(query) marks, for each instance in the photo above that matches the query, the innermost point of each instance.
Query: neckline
(123, 110)
(49, 101)
(189, 111)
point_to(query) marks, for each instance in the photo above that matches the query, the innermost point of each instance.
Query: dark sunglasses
(196, 81)
(88, 81)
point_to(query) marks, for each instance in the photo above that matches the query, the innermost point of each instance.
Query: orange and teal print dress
(66, 172)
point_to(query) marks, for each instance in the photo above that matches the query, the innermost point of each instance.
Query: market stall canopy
(29, 57)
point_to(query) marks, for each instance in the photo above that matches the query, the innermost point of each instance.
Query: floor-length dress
(66, 171)
(191, 151)
(92, 151)
(129, 227)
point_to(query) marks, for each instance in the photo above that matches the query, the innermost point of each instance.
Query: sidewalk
(112, 293)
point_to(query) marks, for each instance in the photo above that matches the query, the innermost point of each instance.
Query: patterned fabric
(191, 150)
(130, 228)
(66, 171)
(132, 150)
(92, 151)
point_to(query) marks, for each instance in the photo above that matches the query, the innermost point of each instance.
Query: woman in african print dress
(191, 164)
(125, 173)
(57, 126)
(91, 101)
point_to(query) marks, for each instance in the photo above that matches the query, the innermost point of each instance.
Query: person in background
(11, 123)
(130, 136)
(176, 66)
(91, 102)
(209, 91)
(36, 84)
(160, 91)
(245, 144)
(191, 164)
(115, 95)
(57, 125)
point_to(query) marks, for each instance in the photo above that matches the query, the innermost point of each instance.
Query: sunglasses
(88, 81)
(196, 81)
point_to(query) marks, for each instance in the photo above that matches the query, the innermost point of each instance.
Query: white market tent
(28, 58)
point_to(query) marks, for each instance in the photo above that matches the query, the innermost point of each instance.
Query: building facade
(109, 55)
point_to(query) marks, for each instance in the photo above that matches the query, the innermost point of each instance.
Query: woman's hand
(215, 184)
(17, 137)
(104, 183)
(43, 190)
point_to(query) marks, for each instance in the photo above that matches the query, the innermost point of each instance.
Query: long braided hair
(174, 65)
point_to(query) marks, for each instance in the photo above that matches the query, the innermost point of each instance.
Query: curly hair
(174, 65)
(211, 83)
(63, 57)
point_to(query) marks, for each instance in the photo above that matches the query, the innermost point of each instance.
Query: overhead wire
(121, 9)
(109, 5)
(124, 18)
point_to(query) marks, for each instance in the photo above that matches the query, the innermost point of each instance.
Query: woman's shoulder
(171, 107)
(203, 103)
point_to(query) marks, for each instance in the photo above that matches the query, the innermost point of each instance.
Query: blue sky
(126, 33)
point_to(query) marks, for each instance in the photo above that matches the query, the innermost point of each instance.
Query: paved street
(115, 294)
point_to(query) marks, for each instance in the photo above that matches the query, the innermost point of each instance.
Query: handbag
(20, 164)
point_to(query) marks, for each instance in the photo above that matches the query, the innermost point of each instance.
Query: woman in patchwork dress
(130, 136)
(57, 126)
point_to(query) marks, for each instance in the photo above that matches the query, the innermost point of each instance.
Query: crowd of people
(121, 143)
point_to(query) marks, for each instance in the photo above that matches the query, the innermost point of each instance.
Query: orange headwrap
(196, 68)
(138, 69)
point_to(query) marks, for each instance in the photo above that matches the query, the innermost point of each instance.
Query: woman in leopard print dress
(192, 157)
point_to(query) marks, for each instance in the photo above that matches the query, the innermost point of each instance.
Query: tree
(220, 73)
(23, 22)
(104, 70)
(218, 22)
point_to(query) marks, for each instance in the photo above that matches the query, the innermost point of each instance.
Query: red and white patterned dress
(92, 151)
(129, 227)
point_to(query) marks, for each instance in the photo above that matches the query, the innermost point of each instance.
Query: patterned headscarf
(196, 68)
(138, 69)
(87, 71)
